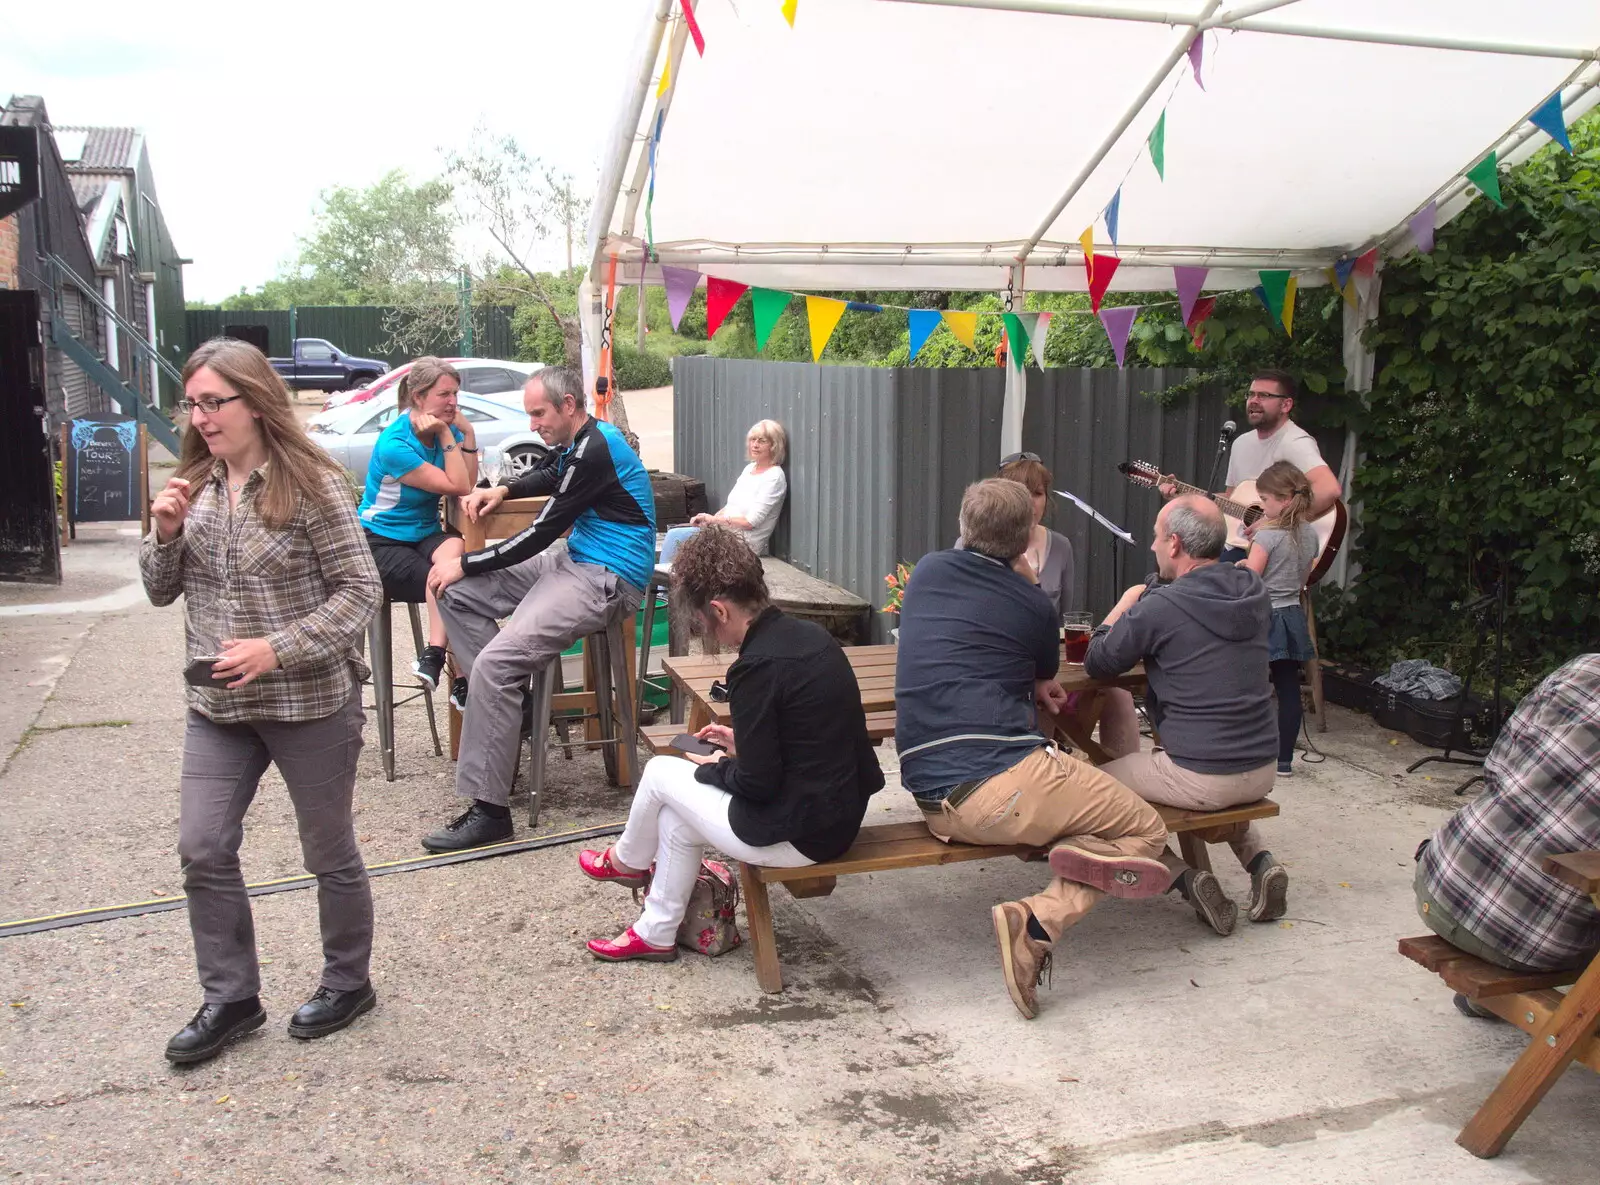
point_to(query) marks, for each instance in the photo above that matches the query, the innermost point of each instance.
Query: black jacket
(805, 768)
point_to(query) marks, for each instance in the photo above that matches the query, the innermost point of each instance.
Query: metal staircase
(100, 372)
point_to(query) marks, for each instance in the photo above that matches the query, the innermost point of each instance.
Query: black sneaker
(458, 693)
(474, 829)
(429, 666)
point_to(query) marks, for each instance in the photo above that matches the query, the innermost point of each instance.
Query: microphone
(1228, 431)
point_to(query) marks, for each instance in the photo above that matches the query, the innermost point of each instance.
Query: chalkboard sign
(106, 480)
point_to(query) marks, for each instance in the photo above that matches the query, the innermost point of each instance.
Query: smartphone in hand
(198, 672)
(687, 742)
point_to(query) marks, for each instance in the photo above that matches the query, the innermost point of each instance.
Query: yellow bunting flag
(788, 11)
(666, 74)
(823, 312)
(1288, 305)
(1351, 296)
(1087, 239)
(964, 326)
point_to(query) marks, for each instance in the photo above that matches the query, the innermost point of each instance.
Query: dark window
(489, 380)
(380, 421)
(315, 352)
(473, 414)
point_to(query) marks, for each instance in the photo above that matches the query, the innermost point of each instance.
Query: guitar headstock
(1141, 473)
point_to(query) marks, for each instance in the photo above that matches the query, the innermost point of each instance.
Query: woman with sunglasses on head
(791, 783)
(258, 533)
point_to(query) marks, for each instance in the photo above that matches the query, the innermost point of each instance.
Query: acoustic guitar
(1243, 508)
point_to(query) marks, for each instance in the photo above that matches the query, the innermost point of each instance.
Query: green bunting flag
(767, 305)
(1486, 176)
(1016, 339)
(1274, 287)
(1158, 146)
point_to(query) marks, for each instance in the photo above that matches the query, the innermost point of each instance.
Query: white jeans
(673, 820)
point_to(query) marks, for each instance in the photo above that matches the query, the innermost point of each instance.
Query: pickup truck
(322, 366)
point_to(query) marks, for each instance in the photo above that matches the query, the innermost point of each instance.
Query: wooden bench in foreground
(910, 845)
(1562, 1027)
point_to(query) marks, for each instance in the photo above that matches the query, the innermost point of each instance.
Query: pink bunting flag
(1423, 224)
(1361, 275)
(1189, 282)
(1118, 322)
(1203, 308)
(694, 27)
(680, 284)
(1196, 51)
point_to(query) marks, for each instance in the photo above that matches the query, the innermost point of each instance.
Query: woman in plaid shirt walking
(258, 533)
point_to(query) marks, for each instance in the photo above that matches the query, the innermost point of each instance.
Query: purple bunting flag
(1189, 282)
(680, 284)
(1196, 51)
(1118, 322)
(1422, 226)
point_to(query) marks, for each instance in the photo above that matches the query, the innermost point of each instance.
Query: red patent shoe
(629, 945)
(598, 866)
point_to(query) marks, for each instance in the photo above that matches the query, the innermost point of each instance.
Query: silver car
(507, 446)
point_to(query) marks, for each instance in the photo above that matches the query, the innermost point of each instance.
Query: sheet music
(1097, 516)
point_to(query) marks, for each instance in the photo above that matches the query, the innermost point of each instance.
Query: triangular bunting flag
(1113, 208)
(1196, 51)
(1288, 305)
(823, 312)
(922, 322)
(1342, 269)
(1422, 227)
(1552, 121)
(680, 284)
(1273, 286)
(1040, 331)
(1118, 321)
(767, 305)
(1203, 308)
(964, 326)
(1158, 146)
(1104, 267)
(694, 27)
(666, 75)
(788, 11)
(861, 306)
(1016, 339)
(721, 295)
(1361, 277)
(1261, 295)
(1486, 176)
(1189, 281)
(1086, 240)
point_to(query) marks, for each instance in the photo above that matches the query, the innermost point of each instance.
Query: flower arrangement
(897, 581)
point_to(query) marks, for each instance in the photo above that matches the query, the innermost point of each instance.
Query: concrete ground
(1301, 1051)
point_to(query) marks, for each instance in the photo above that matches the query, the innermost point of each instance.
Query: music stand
(1495, 598)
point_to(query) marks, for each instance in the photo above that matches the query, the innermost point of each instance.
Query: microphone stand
(1223, 440)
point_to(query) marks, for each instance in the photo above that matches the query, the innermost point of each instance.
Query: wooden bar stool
(380, 647)
(613, 699)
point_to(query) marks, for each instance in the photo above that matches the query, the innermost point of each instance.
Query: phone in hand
(687, 742)
(198, 672)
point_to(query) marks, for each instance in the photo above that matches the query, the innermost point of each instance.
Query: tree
(567, 209)
(372, 243)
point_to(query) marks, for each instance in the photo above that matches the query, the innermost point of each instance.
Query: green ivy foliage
(1482, 442)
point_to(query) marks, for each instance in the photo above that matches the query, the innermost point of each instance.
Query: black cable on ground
(109, 913)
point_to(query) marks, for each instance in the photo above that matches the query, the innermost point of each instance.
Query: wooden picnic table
(874, 667)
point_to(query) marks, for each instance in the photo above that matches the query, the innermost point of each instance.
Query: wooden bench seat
(1562, 1026)
(890, 846)
(657, 737)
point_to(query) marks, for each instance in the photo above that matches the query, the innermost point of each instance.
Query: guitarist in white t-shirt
(1275, 438)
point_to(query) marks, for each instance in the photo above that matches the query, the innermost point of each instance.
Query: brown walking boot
(1024, 959)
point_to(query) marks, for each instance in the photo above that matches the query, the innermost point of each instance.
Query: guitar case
(1431, 722)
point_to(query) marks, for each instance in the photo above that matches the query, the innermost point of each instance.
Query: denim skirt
(1288, 637)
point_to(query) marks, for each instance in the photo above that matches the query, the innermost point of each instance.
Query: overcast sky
(250, 112)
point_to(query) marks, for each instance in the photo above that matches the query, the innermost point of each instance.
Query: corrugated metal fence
(878, 457)
(356, 329)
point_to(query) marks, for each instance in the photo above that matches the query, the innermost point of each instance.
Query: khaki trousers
(1049, 797)
(1155, 777)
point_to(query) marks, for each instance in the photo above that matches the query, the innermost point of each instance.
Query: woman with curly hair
(791, 784)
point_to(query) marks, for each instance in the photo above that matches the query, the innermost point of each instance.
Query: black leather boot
(473, 829)
(212, 1028)
(329, 1010)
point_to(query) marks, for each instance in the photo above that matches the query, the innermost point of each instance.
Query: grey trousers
(551, 602)
(222, 765)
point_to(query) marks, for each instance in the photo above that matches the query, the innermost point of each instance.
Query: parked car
(505, 441)
(320, 365)
(480, 376)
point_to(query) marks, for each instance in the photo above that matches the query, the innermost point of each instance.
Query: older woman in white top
(756, 498)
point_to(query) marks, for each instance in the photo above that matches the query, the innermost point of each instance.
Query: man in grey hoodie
(1202, 636)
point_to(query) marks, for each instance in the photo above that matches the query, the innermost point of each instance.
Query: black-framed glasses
(1015, 457)
(719, 692)
(210, 406)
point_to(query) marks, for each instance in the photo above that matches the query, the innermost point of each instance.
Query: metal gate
(29, 545)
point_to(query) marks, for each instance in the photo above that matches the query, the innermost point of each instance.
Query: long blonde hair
(1284, 480)
(296, 467)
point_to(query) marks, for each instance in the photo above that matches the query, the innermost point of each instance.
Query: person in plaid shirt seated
(1479, 882)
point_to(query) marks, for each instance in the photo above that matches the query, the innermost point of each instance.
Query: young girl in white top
(756, 498)
(1282, 552)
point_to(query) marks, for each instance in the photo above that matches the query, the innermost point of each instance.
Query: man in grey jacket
(1202, 636)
